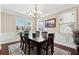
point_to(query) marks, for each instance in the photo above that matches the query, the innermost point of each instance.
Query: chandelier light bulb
(30, 13)
(35, 12)
(39, 12)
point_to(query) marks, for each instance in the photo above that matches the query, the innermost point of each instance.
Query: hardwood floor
(73, 51)
(4, 48)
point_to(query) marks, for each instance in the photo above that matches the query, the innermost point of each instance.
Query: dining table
(38, 41)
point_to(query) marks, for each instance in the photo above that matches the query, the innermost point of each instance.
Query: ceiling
(46, 9)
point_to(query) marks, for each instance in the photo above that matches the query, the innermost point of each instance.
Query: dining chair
(34, 35)
(25, 41)
(37, 33)
(44, 34)
(21, 41)
(51, 36)
(49, 44)
(28, 44)
(77, 49)
(26, 31)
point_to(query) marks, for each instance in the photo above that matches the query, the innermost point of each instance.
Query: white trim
(62, 11)
(21, 14)
(13, 13)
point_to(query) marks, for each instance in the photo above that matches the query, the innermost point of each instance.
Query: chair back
(37, 33)
(26, 37)
(21, 37)
(51, 36)
(50, 40)
(26, 31)
(34, 35)
(44, 35)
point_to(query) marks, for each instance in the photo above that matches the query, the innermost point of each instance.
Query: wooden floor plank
(4, 48)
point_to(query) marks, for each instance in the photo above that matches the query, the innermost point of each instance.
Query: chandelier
(35, 13)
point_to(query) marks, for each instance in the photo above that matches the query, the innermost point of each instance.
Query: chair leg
(22, 46)
(46, 51)
(29, 51)
(25, 49)
(32, 48)
(52, 51)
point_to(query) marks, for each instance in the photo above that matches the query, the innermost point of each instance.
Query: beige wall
(7, 22)
(0, 23)
(54, 29)
(0, 20)
(33, 24)
(78, 18)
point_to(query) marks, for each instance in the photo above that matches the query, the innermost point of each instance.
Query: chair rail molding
(13, 13)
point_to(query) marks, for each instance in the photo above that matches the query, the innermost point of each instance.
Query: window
(67, 22)
(40, 24)
(23, 24)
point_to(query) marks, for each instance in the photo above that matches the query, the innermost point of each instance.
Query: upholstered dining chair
(44, 34)
(77, 49)
(37, 33)
(34, 35)
(28, 44)
(49, 44)
(21, 41)
(51, 36)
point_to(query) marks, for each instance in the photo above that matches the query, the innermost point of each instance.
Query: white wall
(8, 37)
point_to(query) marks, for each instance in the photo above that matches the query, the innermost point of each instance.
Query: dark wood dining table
(38, 41)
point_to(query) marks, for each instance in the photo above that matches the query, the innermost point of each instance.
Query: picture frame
(50, 23)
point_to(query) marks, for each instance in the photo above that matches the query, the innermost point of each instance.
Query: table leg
(38, 50)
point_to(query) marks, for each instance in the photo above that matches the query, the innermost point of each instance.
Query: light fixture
(35, 13)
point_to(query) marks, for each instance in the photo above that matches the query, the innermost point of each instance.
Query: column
(33, 25)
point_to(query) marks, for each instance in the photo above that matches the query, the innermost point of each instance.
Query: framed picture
(50, 23)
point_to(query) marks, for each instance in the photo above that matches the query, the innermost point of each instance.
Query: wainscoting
(8, 37)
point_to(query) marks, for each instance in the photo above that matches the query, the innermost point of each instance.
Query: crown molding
(44, 16)
(71, 8)
(13, 13)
